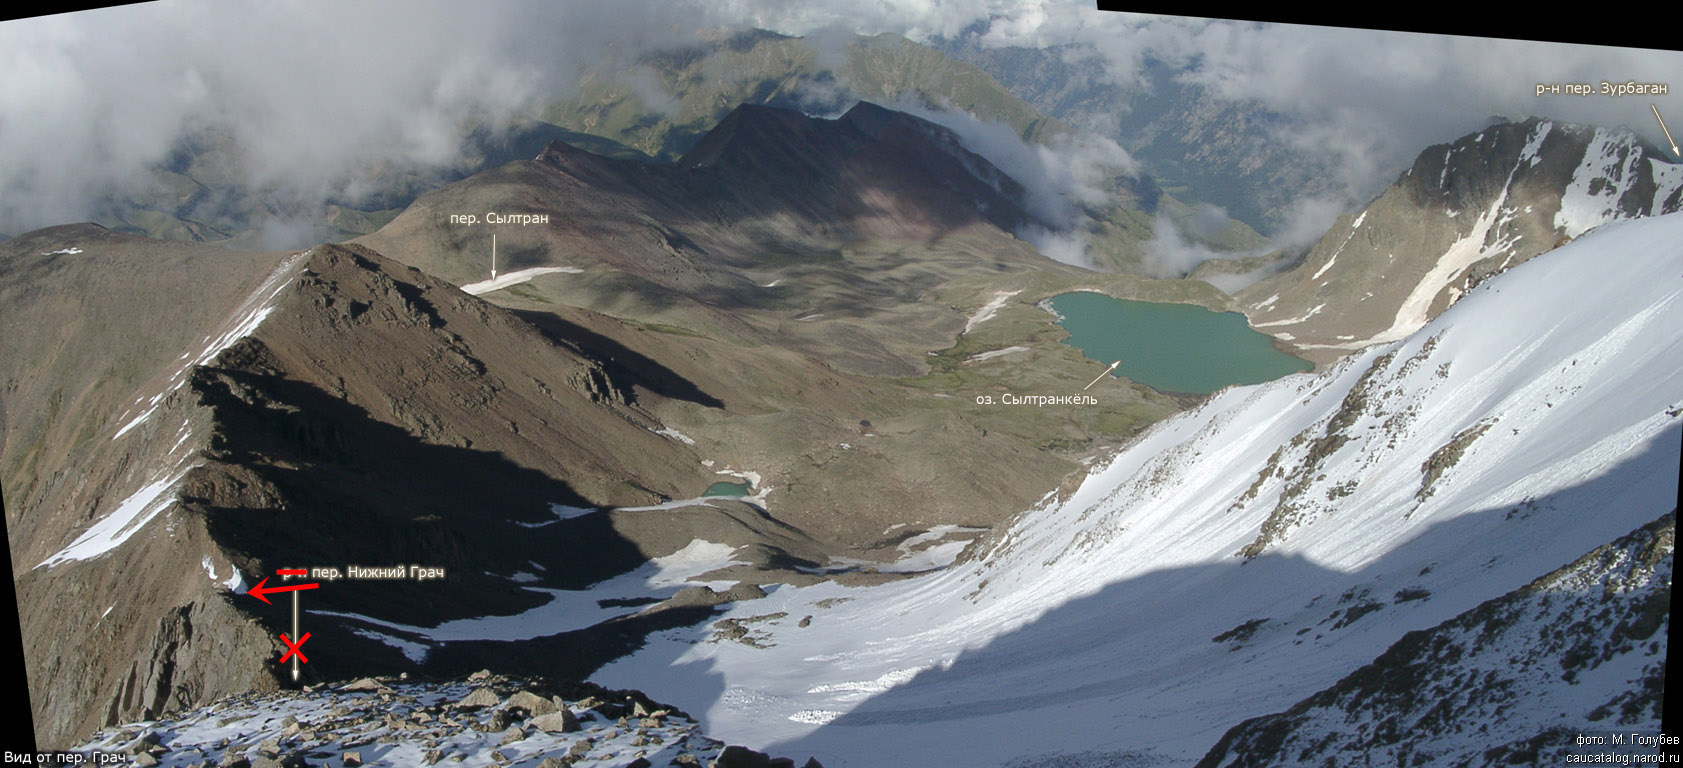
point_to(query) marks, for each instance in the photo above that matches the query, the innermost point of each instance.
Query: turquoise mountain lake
(1179, 348)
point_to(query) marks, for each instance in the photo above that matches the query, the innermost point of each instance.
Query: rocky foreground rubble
(486, 720)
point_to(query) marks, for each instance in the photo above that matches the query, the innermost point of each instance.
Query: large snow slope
(1544, 404)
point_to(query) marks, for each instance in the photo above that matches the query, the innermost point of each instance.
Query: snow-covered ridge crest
(1243, 555)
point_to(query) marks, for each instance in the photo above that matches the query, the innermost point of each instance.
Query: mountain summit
(1462, 212)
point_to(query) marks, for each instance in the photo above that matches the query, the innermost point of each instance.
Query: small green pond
(723, 488)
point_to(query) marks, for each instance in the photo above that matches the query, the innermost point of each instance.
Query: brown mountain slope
(331, 408)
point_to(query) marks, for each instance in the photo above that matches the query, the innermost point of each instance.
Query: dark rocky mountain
(1461, 213)
(764, 179)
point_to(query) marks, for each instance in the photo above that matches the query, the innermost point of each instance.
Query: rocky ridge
(1463, 212)
(483, 719)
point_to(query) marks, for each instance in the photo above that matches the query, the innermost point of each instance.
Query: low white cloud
(1170, 254)
(1067, 245)
(315, 94)
(1061, 179)
(1364, 102)
(311, 95)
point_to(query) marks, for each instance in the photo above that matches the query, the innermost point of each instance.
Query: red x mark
(292, 647)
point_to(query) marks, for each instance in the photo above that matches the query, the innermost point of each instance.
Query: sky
(318, 93)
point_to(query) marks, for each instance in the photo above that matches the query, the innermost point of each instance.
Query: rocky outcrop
(392, 721)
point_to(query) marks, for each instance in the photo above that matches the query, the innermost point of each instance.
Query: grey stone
(533, 703)
(481, 697)
(558, 722)
(500, 721)
(694, 596)
(744, 592)
(364, 684)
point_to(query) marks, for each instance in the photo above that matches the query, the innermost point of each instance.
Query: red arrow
(259, 591)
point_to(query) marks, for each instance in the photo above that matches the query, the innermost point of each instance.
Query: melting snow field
(115, 528)
(566, 610)
(515, 278)
(987, 310)
(1118, 623)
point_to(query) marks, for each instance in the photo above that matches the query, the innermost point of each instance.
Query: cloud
(1170, 254)
(1366, 101)
(312, 95)
(315, 94)
(1061, 179)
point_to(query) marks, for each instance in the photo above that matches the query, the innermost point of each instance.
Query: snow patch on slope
(568, 609)
(514, 278)
(123, 522)
(986, 312)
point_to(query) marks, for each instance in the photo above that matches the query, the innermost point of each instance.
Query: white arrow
(1100, 376)
(1667, 131)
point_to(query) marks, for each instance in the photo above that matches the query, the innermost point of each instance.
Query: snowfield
(515, 278)
(1246, 554)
